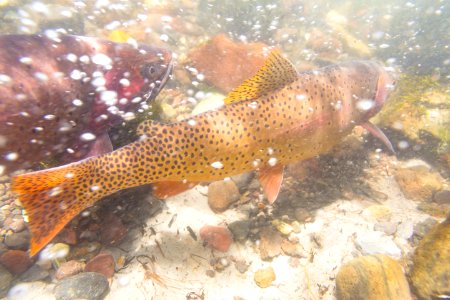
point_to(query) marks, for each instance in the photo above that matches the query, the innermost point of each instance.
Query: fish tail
(51, 198)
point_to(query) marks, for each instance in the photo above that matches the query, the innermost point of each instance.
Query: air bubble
(109, 97)
(76, 75)
(217, 165)
(26, 60)
(5, 79)
(86, 137)
(365, 104)
(272, 161)
(192, 122)
(71, 57)
(101, 59)
(11, 156)
(41, 76)
(77, 102)
(402, 145)
(124, 82)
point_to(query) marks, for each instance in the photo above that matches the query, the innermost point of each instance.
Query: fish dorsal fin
(148, 128)
(276, 73)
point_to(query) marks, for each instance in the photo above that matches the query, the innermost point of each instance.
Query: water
(336, 204)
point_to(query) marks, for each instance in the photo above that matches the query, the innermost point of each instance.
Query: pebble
(112, 230)
(377, 243)
(16, 261)
(68, 236)
(430, 273)
(35, 273)
(217, 238)
(85, 251)
(221, 194)
(302, 215)
(88, 285)
(264, 277)
(442, 197)
(103, 263)
(240, 229)
(5, 281)
(241, 265)
(19, 240)
(31, 290)
(293, 249)
(378, 212)
(270, 243)
(283, 227)
(389, 228)
(418, 183)
(17, 225)
(69, 268)
(372, 277)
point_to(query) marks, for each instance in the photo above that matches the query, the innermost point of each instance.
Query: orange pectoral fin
(271, 179)
(166, 189)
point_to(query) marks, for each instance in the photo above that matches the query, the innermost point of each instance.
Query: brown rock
(68, 236)
(217, 238)
(17, 225)
(291, 248)
(221, 194)
(264, 277)
(442, 197)
(270, 244)
(112, 231)
(372, 277)
(430, 274)
(69, 268)
(226, 63)
(16, 261)
(418, 183)
(103, 264)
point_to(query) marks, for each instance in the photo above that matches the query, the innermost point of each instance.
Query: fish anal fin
(276, 73)
(271, 179)
(376, 132)
(148, 127)
(166, 189)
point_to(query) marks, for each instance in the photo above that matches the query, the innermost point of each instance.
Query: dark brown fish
(60, 94)
(275, 118)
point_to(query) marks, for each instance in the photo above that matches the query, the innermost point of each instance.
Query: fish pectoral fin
(166, 189)
(271, 179)
(148, 127)
(276, 73)
(376, 132)
(101, 146)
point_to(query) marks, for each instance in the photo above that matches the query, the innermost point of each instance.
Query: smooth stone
(18, 241)
(264, 277)
(240, 229)
(377, 243)
(389, 228)
(103, 263)
(293, 249)
(221, 194)
(418, 183)
(241, 265)
(31, 290)
(372, 277)
(5, 281)
(442, 197)
(89, 286)
(430, 273)
(270, 243)
(35, 273)
(112, 230)
(17, 225)
(217, 238)
(16, 261)
(69, 268)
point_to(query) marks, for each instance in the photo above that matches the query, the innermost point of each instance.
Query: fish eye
(149, 69)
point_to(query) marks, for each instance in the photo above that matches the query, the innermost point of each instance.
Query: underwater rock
(18, 241)
(375, 242)
(217, 238)
(17, 225)
(292, 248)
(442, 197)
(264, 277)
(225, 63)
(84, 251)
(241, 265)
(418, 183)
(270, 244)
(68, 236)
(389, 228)
(378, 212)
(430, 273)
(16, 261)
(112, 230)
(103, 263)
(302, 215)
(5, 280)
(69, 268)
(370, 278)
(35, 273)
(89, 285)
(243, 181)
(221, 194)
(240, 229)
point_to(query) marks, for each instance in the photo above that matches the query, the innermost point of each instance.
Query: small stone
(19, 240)
(103, 264)
(217, 238)
(282, 227)
(418, 183)
(89, 285)
(5, 281)
(270, 244)
(442, 197)
(377, 243)
(54, 252)
(241, 265)
(112, 230)
(370, 278)
(296, 226)
(70, 268)
(221, 194)
(243, 180)
(17, 225)
(16, 261)
(264, 277)
(240, 229)
(389, 228)
(405, 230)
(35, 273)
(210, 273)
(84, 251)
(293, 249)
(430, 273)
(302, 215)
(68, 236)
(378, 212)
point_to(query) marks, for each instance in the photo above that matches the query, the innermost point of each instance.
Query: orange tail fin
(52, 198)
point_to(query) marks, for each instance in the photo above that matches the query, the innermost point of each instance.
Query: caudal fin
(51, 199)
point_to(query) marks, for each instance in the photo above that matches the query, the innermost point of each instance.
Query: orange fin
(50, 200)
(276, 73)
(271, 179)
(166, 189)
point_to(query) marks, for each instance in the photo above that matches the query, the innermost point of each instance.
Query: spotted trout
(272, 119)
(59, 94)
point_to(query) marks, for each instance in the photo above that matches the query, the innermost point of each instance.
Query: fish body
(264, 126)
(61, 93)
